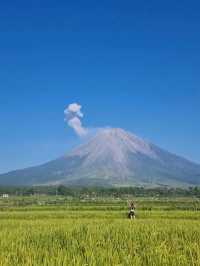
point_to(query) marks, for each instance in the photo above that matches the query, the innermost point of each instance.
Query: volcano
(113, 157)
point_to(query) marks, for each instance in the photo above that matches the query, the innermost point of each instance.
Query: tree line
(78, 192)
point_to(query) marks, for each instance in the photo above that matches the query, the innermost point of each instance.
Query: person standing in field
(131, 214)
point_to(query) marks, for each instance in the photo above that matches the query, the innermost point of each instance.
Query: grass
(76, 233)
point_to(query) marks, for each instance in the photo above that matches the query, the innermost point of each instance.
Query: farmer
(131, 214)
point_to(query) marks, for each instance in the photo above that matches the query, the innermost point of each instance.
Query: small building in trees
(5, 196)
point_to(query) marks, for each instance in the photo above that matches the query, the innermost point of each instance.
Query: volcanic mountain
(113, 157)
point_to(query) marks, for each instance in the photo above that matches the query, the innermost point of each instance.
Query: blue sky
(129, 64)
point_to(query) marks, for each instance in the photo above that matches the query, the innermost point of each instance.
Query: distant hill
(113, 157)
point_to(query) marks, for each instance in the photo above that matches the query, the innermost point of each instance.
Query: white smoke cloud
(72, 116)
(74, 109)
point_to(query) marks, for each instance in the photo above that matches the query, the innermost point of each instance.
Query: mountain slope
(113, 157)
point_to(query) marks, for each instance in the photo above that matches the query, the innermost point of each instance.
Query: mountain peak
(112, 131)
(114, 143)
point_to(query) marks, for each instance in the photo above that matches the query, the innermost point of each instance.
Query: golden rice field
(88, 236)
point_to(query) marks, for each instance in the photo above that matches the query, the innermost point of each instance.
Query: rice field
(99, 233)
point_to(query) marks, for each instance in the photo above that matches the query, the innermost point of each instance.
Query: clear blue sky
(130, 64)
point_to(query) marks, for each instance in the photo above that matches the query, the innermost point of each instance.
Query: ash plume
(72, 116)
